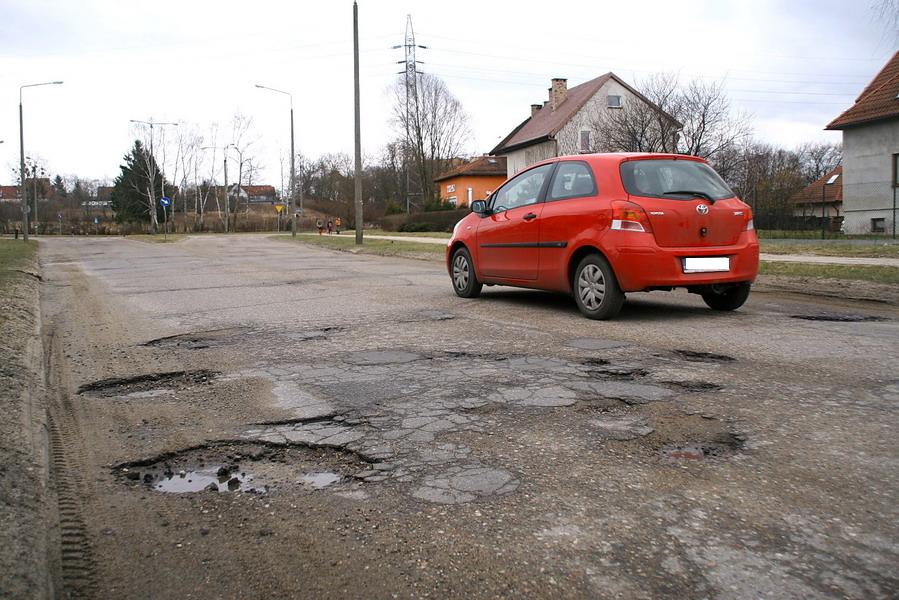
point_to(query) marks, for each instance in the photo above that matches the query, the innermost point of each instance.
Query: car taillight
(749, 224)
(628, 216)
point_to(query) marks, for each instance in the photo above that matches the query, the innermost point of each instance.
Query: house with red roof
(871, 154)
(823, 198)
(473, 180)
(564, 124)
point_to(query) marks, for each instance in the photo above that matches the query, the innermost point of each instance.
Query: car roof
(620, 157)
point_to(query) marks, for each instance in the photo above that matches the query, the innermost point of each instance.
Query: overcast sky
(794, 65)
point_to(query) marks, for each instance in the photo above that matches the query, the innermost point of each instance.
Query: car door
(508, 238)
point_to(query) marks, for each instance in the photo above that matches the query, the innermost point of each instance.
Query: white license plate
(706, 264)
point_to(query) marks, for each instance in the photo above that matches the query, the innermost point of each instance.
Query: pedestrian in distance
(318, 223)
(337, 225)
(330, 226)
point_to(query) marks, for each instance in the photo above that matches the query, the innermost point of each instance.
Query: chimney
(558, 92)
(535, 108)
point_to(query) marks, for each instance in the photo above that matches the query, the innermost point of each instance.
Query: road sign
(165, 201)
(59, 216)
(279, 208)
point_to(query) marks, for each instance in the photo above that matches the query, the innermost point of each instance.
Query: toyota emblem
(702, 209)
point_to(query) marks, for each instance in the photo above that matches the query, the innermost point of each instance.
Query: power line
(410, 74)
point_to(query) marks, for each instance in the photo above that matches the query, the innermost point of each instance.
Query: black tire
(465, 282)
(729, 297)
(596, 289)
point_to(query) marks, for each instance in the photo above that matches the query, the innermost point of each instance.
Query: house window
(896, 170)
(452, 200)
(878, 225)
(614, 101)
(451, 188)
(585, 142)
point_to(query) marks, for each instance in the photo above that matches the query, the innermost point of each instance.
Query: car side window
(522, 190)
(573, 179)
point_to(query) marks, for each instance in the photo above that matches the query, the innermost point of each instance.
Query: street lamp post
(293, 212)
(22, 153)
(151, 123)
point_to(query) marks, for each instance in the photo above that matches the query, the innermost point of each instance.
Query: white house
(564, 123)
(871, 154)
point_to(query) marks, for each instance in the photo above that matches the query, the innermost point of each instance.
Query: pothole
(841, 318)
(196, 340)
(314, 334)
(239, 467)
(695, 386)
(695, 356)
(595, 344)
(427, 315)
(382, 357)
(673, 435)
(148, 384)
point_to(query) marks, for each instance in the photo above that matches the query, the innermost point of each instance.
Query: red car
(601, 225)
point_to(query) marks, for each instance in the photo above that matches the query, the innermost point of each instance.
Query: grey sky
(792, 65)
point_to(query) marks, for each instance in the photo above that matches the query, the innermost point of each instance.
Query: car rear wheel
(465, 282)
(729, 297)
(596, 289)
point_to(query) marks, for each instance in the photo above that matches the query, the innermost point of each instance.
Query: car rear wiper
(693, 193)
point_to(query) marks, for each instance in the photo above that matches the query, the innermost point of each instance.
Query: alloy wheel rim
(591, 287)
(460, 272)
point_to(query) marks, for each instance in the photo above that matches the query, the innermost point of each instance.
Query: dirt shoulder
(23, 472)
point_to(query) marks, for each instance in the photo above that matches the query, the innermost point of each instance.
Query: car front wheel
(596, 289)
(729, 297)
(465, 282)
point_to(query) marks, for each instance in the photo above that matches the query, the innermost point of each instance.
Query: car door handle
(529, 216)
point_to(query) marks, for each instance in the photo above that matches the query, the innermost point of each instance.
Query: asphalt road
(353, 429)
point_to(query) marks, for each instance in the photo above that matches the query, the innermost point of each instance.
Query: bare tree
(707, 126)
(818, 158)
(437, 126)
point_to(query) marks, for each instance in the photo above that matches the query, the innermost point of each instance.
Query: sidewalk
(794, 258)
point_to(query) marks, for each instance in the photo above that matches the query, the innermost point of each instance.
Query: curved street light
(22, 157)
(293, 211)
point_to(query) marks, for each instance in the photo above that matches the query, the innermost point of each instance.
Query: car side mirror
(479, 207)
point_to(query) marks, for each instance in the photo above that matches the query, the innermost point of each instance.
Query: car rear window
(663, 178)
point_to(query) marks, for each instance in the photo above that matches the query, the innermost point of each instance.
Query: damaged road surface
(243, 418)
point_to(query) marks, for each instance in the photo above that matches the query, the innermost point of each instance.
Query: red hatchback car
(600, 225)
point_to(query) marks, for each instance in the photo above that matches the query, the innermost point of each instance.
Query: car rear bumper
(643, 265)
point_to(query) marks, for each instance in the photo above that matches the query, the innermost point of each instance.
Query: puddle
(239, 467)
(196, 340)
(320, 480)
(694, 356)
(841, 318)
(149, 382)
(209, 479)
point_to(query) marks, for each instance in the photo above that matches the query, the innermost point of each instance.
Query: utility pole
(24, 198)
(358, 186)
(411, 74)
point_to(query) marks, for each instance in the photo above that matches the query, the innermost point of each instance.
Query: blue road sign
(165, 201)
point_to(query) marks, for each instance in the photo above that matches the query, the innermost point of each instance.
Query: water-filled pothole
(142, 385)
(240, 467)
(841, 318)
(696, 356)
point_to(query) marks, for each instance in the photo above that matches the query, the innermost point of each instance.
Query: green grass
(878, 274)
(15, 257)
(832, 249)
(347, 243)
(443, 235)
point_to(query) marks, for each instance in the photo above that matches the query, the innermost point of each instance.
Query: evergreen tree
(59, 187)
(131, 197)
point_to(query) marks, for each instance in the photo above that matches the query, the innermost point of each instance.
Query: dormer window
(614, 101)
